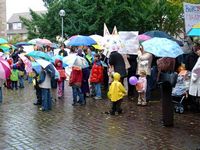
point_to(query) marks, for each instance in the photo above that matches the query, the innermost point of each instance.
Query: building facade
(16, 26)
(3, 23)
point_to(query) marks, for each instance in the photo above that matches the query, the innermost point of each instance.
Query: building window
(17, 26)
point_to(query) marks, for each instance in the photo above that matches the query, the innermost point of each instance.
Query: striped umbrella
(4, 69)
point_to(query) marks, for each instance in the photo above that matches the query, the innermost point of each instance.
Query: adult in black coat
(104, 59)
(62, 51)
(132, 59)
(117, 62)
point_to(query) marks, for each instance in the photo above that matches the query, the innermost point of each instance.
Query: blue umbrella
(19, 44)
(36, 66)
(3, 41)
(54, 45)
(161, 34)
(162, 47)
(56, 57)
(81, 40)
(39, 54)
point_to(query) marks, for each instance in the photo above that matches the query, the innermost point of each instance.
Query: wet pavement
(24, 126)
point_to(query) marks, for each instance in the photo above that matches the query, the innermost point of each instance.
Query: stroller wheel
(181, 110)
(176, 109)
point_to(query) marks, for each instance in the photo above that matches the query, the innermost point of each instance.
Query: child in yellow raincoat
(116, 93)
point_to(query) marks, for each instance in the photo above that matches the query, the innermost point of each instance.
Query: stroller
(180, 91)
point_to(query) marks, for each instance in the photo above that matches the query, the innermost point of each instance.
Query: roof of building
(16, 16)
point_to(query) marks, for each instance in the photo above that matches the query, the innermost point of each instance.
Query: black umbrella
(162, 34)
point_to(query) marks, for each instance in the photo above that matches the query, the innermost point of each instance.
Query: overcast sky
(18, 6)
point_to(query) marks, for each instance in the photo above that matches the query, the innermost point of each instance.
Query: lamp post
(62, 14)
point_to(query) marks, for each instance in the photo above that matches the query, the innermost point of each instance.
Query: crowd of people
(91, 80)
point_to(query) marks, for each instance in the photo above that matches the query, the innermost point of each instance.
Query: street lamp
(62, 14)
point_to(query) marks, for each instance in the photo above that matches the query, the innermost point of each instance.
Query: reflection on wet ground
(23, 126)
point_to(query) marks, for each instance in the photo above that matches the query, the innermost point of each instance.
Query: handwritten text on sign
(191, 15)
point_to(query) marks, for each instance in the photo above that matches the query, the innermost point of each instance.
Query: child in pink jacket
(141, 88)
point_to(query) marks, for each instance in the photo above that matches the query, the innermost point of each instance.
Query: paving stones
(23, 126)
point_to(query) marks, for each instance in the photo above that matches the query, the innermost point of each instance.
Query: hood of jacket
(56, 64)
(116, 76)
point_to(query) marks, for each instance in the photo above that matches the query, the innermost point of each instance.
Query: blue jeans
(77, 92)
(46, 99)
(30, 79)
(21, 81)
(1, 95)
(97, 89)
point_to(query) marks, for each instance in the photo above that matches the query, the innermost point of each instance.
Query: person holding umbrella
(38, 90)
(75, 81)
(48, 72)
(21, 68)
(45, 85)
(166, 79)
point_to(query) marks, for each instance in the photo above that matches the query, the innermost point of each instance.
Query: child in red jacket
(96, 76)
(75, 81)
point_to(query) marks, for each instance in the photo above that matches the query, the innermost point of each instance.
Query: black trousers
(14, 84)
(38, 94)
(105, 78)
(167, 105)
(116, 106)
(132, 59)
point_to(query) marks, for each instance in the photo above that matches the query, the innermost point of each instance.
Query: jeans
(46, 99)
(97, 89)
(30, 79)
(77, 92)
(21, 81)
(1, 95)
(63, 87)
